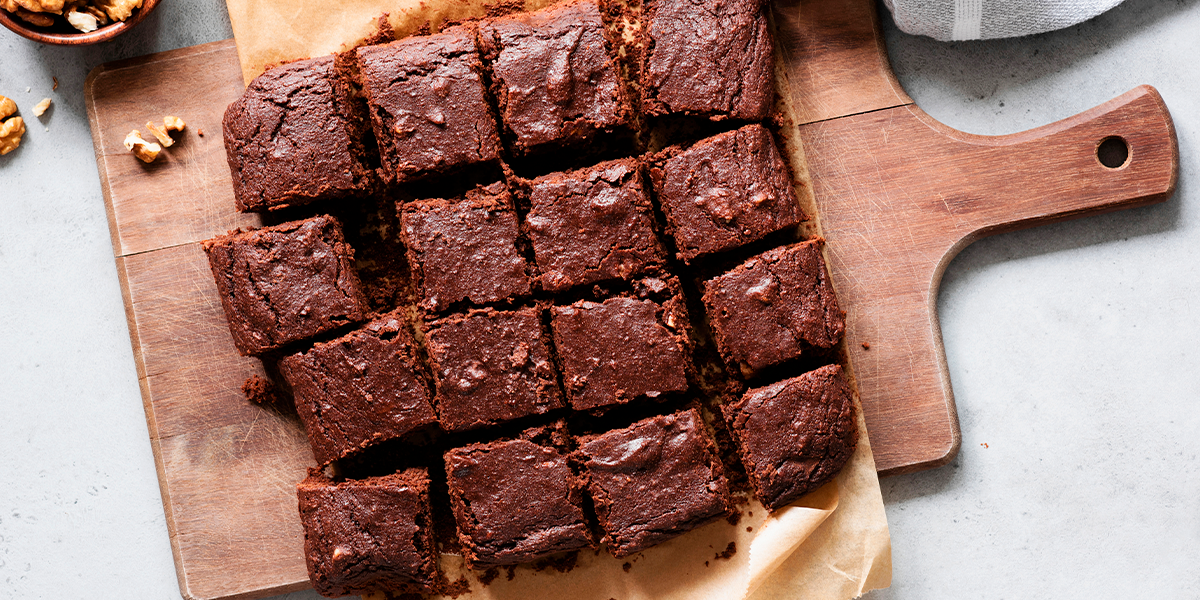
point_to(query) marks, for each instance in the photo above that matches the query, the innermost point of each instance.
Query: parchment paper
(831, 545)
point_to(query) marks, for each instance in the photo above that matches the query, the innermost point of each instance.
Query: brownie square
(707, 59)
(592, 225)
(553, 77)
(370, 534)
(794, 435)
(285, 283)
(725, 191)
(465, 249)
(360, 389)
(516, 500)
(427, 103)
(491, 366)
(620, 350)
(766, 309)
(654, 480)
(296, 136)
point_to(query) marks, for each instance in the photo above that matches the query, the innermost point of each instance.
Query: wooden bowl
(62, 34)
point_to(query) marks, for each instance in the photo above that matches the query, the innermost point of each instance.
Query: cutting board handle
(1059, 171)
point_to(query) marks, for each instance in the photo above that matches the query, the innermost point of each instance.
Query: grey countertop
(1072, 347)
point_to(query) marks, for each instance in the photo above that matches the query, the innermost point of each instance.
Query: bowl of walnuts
(73, 22)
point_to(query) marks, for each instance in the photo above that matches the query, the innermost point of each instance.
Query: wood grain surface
(897, 196)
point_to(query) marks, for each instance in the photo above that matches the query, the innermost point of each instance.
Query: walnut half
(11, 129)
(146, 151)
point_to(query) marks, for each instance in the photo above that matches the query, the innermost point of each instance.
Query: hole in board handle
(1113, 152)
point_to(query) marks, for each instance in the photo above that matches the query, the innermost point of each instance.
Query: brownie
(766, 309)
(465, 249)
(794, 435)
(707, 58)
(554, 79)
(296, 136)
(491, 366)
(285, 283)
(360, 389)
(516, 500)
(370, 534)
(620, 350)
(654, 480)
(725, 191)
(427, 103)
(592, 225)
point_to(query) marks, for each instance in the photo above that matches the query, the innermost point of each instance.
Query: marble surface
(1071, 347)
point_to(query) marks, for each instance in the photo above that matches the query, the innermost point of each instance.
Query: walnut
(10, 134)
(146, 151)
(162, 131)
(173, 123)
(42, 6)
(83, 21)
(8, 108)
(117, 10)
(40, 108)
(33, 17)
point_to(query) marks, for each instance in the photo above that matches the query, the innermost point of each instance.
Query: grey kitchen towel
(948, 20)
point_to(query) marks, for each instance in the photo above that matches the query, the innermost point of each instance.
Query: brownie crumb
(626, 567)
(489, 576)
(749, 529)
(866, 346)
(261, 391)
(453, 589)
(512, 572)
(734, 517)
(730, 550)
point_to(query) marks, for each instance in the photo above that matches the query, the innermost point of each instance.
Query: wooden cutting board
(898, 195)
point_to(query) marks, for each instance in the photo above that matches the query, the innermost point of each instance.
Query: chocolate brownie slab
(766, 309)
(427, 103)
(516, 500)
(706, 58)
(620, 350)
(554, 78)
(285, 283)
(725, 191)
(794, 435)
(368, 535)
(360, 389)
(491, 366)
(592, 225)
(296, 136)
(654, 480)
(465, 249)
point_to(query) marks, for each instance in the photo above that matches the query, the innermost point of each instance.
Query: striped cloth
(949, 20)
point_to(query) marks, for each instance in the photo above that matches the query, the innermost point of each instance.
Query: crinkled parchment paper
(831, 545)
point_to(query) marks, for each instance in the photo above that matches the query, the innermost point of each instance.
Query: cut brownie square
(516, 500)
(427, 103)
(285, 283)
(654, 480)
(296, 136)
(707, 59)
(592, 225)
(368, 535)
(465, 249)
(725, 191)
(794, 435)
(491, 366)
(553, 77)
(360, 389)
(621, 350)
(765, 309)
